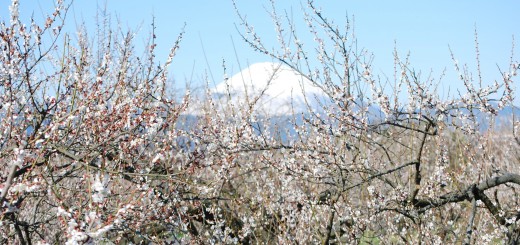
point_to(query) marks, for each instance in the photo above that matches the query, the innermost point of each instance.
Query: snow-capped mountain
(278, 93)
(279, 89)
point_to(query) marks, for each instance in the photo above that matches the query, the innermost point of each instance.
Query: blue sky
(423, 28)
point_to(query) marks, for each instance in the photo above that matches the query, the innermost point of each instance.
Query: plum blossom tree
(427, 169)
(86, 132)
(94, 148)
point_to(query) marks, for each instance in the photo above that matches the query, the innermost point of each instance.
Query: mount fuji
(277, 89)
(277, 92)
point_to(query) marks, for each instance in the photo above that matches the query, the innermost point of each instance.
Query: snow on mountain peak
(281, 90)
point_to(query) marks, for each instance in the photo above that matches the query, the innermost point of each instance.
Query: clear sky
(423, 28)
